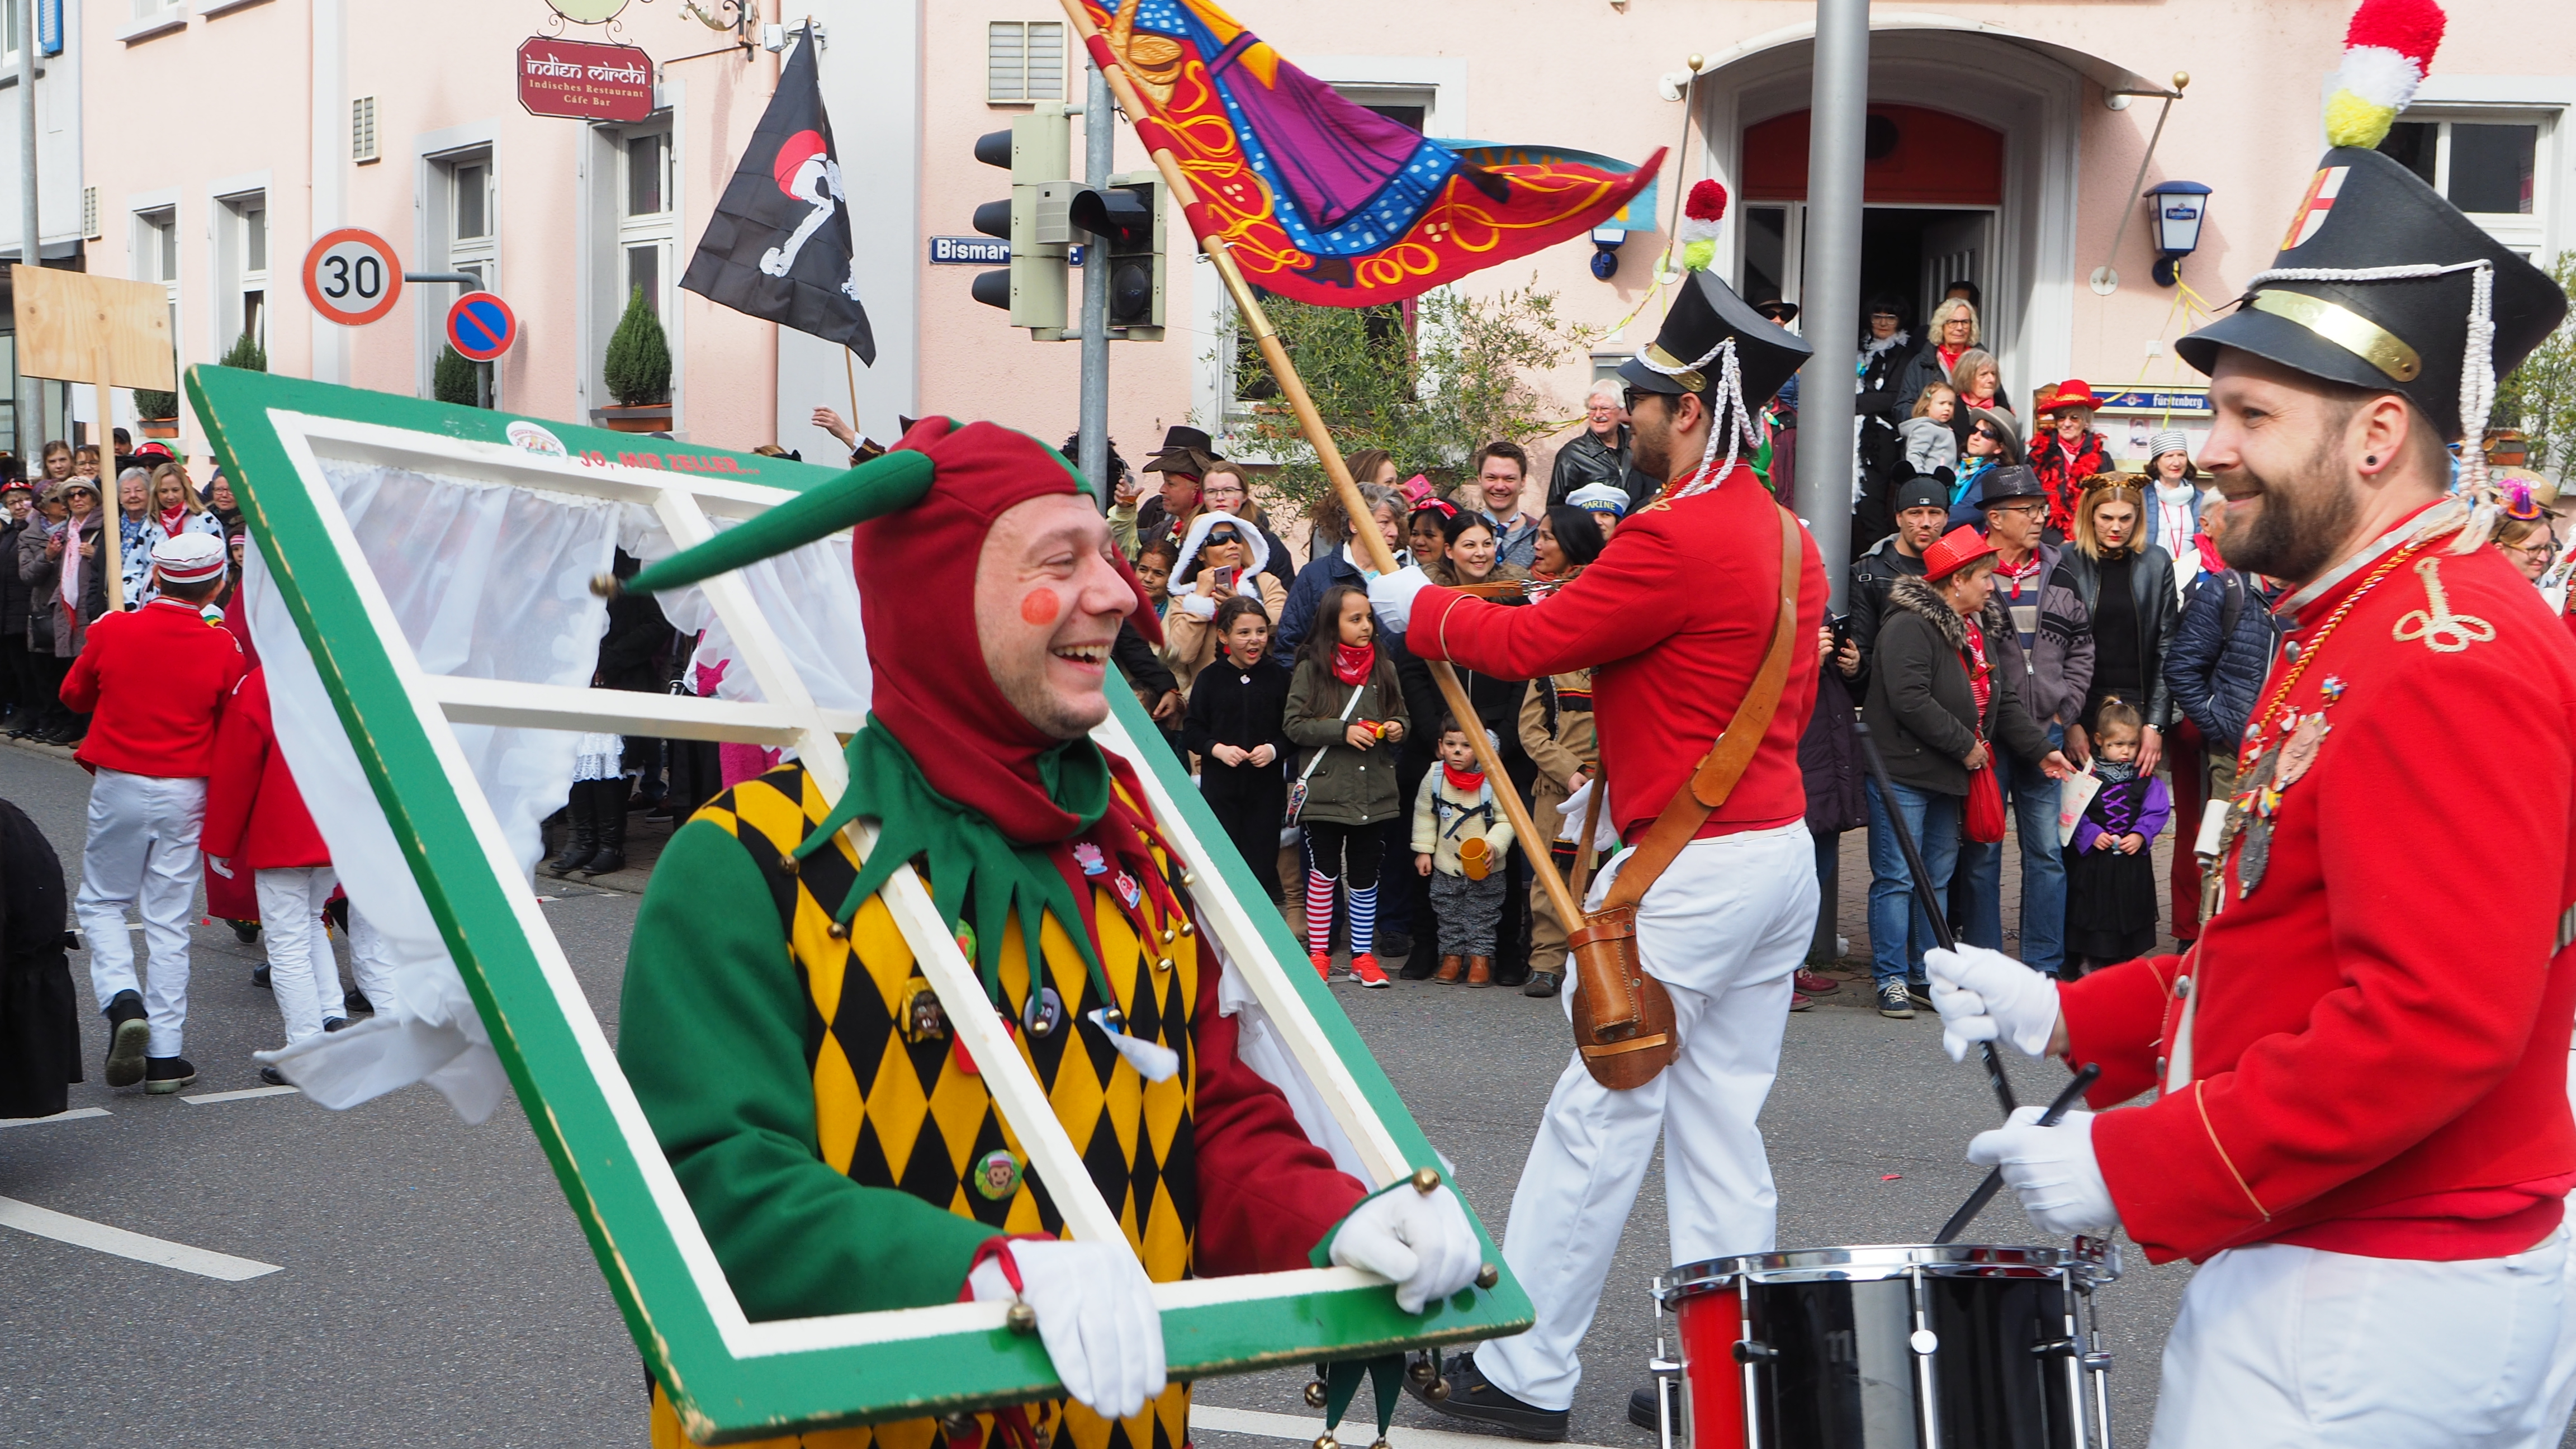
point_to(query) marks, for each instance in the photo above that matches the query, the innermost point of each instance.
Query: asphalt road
(434, 1290)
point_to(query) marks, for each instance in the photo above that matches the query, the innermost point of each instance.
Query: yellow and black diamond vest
(897, 1105)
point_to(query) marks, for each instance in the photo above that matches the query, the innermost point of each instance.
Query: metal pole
(1099, 137)
(1839, 116)
(31, 391)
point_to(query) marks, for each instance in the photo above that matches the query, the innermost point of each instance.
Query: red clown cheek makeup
(1041, 607)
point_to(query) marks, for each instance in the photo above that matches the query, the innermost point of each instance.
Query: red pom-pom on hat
(2413, 28)
(1707, 200)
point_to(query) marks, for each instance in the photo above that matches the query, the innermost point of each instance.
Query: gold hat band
(1690, 378)
(2346, 329)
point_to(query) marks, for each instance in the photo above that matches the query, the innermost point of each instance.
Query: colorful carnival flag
(1320, 199)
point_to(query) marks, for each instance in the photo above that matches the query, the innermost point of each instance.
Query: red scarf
(1465, 782)
(1354, 663)
(174, 520)
(1980, 673)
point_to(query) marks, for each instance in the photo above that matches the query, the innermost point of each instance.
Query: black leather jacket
(2151, 586)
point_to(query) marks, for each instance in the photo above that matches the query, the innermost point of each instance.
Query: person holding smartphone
(1221, 557)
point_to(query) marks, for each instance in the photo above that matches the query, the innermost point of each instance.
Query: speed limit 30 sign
(351, 276)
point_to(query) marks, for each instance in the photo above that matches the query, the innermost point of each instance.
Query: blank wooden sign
(80, 328)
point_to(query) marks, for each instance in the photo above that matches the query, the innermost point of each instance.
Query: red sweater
(152, 682)
(2382, 1069)
(255, 817)
(1673, 620)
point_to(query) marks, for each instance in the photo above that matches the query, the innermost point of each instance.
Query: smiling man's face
(1048, 603)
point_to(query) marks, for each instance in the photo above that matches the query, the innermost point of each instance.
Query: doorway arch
(2029, 97)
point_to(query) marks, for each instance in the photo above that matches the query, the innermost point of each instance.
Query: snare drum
(1935, 1347)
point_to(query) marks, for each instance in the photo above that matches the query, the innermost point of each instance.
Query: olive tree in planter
(638, 371)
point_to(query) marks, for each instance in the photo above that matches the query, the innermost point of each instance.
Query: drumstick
(1931, 904)
(1994, 1182)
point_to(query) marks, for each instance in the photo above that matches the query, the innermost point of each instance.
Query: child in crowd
(256, 824)
(154, 682)
(1929, 441)
(1459, 839)
(2110, 876)
(1346, 710)
(1236, 726)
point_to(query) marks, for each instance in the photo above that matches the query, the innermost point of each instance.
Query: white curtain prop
(492, 581)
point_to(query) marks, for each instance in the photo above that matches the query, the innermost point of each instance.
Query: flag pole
(1381, 558)
(851, 373)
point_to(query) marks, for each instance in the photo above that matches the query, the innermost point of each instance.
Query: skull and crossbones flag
(779, 245)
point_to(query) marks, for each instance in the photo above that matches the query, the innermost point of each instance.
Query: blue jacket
(2214, 680)
(1305, 595)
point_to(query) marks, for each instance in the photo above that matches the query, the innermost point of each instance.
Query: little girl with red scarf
(1345, 714)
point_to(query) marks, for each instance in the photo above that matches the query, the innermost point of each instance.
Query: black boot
(610, 805)
(583, 841)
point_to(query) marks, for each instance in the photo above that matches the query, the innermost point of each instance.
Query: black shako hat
(1684, 357)
(2408, 334)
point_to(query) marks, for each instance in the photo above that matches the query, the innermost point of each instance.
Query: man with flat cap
(2351, 1095)
(1676, 619)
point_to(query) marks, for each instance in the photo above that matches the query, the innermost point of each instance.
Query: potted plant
(457, 379)
(247, 354)
(158, 411)
(638, 371)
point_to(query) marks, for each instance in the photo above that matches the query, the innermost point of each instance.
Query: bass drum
(1900, 1347)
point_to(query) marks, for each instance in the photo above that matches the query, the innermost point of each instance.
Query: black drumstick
(1986, 1190)
(1931, 904)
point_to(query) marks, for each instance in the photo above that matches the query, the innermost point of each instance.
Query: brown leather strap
(1725, 763)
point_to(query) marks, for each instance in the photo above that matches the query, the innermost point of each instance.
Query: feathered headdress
(2386, 51)
(1702, 210)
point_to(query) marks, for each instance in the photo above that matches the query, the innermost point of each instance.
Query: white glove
(1096, 1316)
(1986, 995)
(2052, 1171)
(1391, 595)
(1421, 1240)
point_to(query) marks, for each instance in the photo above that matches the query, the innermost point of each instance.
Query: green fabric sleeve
(712, 1037)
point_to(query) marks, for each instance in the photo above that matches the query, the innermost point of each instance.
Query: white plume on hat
(189, 558)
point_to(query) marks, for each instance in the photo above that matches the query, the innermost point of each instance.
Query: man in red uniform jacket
(2361, 1126)
(1673, 619)
(153, 681)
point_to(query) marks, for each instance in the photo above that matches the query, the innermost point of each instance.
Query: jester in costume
(839, 1148)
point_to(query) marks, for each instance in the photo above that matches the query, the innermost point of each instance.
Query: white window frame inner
(657, 231)
(1007, 77)
(481, 254)
(2526, 233)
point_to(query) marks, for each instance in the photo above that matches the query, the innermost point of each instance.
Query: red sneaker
(1322, 961)
(1366, 971)
(1813, 984)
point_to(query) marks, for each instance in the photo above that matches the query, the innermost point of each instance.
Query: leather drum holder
(1623, 1017)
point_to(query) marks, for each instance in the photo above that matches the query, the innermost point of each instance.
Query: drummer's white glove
(1391, 595)
(2052, 1170)
(1986, 995)
(1096, 1316)
(1422, 1240)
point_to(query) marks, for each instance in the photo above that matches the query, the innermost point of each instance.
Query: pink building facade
(2048, 108)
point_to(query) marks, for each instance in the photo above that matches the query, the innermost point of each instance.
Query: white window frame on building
(156, 252)
(242, 269)
(1015, 70)
(2526, 230)
(467, 227)
(648, 215)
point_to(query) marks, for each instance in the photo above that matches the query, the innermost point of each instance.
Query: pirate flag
(779, 246)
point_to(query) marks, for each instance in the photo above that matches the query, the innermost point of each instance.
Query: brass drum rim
(2093, 1265)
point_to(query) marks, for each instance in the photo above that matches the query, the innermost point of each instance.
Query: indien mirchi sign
(585, 80)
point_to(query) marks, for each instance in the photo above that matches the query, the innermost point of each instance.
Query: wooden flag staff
(1381, 558)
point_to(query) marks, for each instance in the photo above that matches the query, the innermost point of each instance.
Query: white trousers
(1725, 928)
(371, 961)
(2280, 1346)
(142, 851)
(302, 973)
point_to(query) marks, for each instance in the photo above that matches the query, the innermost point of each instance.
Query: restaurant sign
(585, 80)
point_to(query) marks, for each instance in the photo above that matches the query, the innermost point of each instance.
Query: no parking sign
(481, 326)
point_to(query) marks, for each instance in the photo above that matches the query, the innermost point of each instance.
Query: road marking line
(1290, 1426)
(74, 1115)
(82, 1233)
(244, 1095)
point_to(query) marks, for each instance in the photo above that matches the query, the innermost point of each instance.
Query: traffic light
(1127, 217)
(1038, 152)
